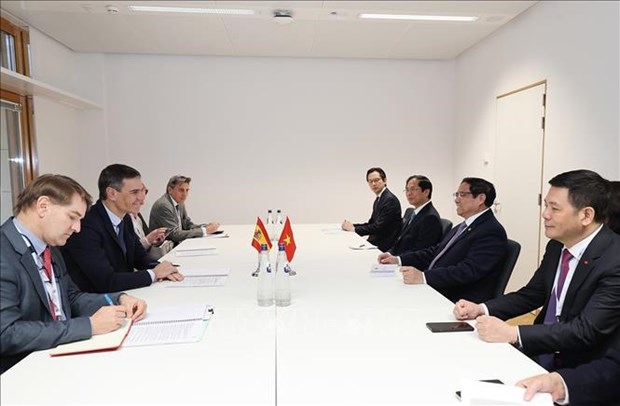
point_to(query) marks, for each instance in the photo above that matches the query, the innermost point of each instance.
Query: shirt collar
(473, 218)
(113, 217)
(37, 244)
(578, 249)
(174, 202)
(381, 192)
(416, 210)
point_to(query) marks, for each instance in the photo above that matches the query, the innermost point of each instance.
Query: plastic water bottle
(278, 225)
(283, 280)
(265, 279)
(269, 223)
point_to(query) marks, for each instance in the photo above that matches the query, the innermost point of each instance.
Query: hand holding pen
(108, 318)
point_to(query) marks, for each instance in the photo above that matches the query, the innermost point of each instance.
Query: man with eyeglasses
(169, 211)
(577, 283)
(466, 263)
(102, 258)
(421, 227)
(384, 225)
(40, 307)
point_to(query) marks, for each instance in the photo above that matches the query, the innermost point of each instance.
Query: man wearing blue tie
(466, 263)
(577, 283)
(102, 258)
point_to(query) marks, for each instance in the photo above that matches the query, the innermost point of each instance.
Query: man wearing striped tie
(577, 283)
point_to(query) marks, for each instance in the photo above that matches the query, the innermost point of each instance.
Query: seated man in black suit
(577, 283)
(384, 224)
(103, 256)
(466, 263)
(594, 383)
(422, 228)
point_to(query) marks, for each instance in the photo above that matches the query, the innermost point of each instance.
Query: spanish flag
(260, 235)
(288, 240)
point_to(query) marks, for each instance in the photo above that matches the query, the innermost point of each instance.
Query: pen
(108, 299)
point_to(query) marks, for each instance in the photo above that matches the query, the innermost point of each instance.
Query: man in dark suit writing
(384, 224)
(102, 258)
(40, 307)
(466, 263)
(577, 283)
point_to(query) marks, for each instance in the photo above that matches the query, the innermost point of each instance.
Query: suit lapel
(27, 262)
(107, 225)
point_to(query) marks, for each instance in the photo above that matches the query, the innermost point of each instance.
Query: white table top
(347, 338)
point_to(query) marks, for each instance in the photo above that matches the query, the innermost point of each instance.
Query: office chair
(510, 259)
(446, 225)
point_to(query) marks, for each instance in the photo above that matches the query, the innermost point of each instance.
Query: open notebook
(101, 342)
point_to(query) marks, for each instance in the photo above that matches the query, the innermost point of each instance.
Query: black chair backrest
(510, 259)
(446, 225)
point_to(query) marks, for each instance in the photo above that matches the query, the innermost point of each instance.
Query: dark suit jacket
(597, 382)
(424, 231)
(469, 269)
(26, 323)
(384, 225)
(590, 318)
(95, 259)
(163, 214)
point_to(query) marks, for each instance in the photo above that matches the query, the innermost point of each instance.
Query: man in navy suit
(40, 307)
(577, 283)
(594, 383)
(384, 225)
(466, 263)
(102, 258)
(421, 228)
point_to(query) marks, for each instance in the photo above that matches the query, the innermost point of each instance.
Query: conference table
(348, 337)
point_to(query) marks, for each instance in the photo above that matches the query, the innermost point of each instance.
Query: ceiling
(320, 28)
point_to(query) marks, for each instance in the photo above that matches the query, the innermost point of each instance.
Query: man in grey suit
(169, 211)
(40, 307)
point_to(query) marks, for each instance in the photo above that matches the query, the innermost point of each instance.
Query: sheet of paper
(334, 230)
(384, 269)
(199, 281)
(220, 235)
(363, 246)
(204, 271)
(176, 313)
(165, 333)
(195, 252)
(483, 393)
(195, 246)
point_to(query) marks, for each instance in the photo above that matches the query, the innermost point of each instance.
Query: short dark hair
(478, 186)
(177, 180)
(380, 171)
(586, 188)
(423, 182)
(613, 208)
(113, 176)
(58, 188)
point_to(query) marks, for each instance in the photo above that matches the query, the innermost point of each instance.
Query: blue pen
(108, 299)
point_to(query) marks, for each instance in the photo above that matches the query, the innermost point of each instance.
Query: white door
(518, 174)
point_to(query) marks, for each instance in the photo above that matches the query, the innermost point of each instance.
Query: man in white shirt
(577, 283)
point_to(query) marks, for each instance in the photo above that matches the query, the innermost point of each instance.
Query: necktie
(374, 206)
(547, 361)
(47, 267)
(179, 216)
(411, 218)
(121, 236)
(461, 227)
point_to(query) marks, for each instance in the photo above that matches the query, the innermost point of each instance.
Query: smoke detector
(283, 17)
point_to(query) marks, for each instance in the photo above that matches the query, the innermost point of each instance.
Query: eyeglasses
(461, 194)
(411, 189)
(377, 180)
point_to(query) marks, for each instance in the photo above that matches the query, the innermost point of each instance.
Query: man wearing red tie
(40, 307)
(577, 283)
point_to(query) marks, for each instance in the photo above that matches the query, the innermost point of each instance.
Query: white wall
(69, 141)
(296, 134)
(575, 46)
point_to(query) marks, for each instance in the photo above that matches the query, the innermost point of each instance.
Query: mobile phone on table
(217, 232)
(449, 326)
(169, 230)
(458, 392)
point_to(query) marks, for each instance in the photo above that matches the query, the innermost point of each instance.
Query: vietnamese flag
(287, 239)
(260, 236)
